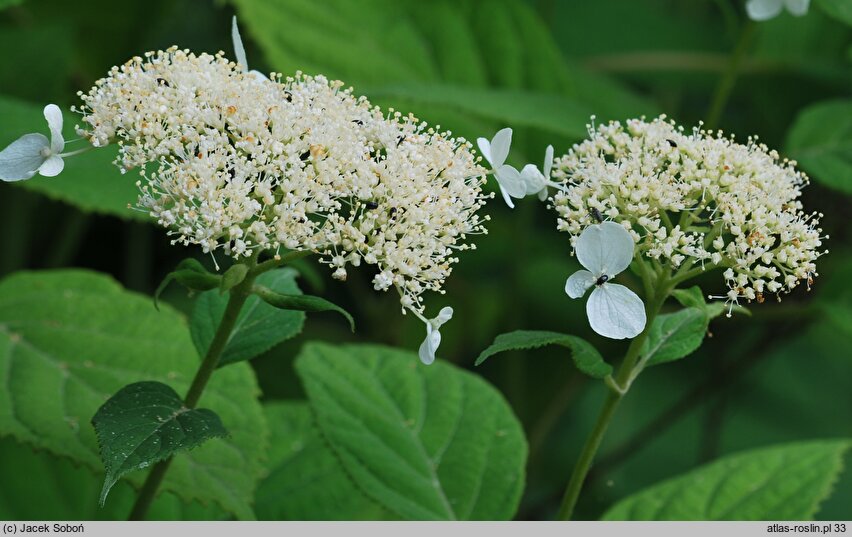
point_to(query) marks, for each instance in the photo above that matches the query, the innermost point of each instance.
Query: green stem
(618, 387)
(729, 78)
(238, 297)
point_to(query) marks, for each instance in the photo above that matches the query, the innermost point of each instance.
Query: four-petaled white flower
(535, 181)
(433, 335)
(614, 311)
(240, 51)
(33, 153)
(509, 179)
(761, 10)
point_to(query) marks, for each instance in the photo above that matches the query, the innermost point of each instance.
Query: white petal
(484, 148)
(543, 194)
(507, 198)
(258, 75)
(533, 179)
(22, 158)
(798, 7)
(615, 311)
(605, 248)
(52, 167)
(510, 179)
(429, 346)
(579, 282)
(53, 115)
(444, 315)
(548, 161)
(500, 147)
(761, 10)
(239, 50)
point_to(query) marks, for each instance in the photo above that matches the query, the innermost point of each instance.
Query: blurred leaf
(46, 65)
(839, 9)
(69, 339)
(144, 423)
(675, 335)
(89, 181)
(51, 488)
(306, 481)
(821, 140)
(552, 113)
(442, 53)
(9, 3)
(427, 442)
(585, 356)
(259, 326)
(786, 482)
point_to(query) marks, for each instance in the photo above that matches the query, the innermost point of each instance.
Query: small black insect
(372, 205)
(399, 140)
(671, 142)
(163, 82)
(596, 214)
(357, 122)
(602, 280)
(288, 96)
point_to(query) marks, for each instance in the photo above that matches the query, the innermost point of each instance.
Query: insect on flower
(614, 311)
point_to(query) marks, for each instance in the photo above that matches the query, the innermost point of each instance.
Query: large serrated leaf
(785, 482)
(70, 339)
(89, 181)
(144, 423)
(306, 481)
(426, 442)
(58, 489)
(821, 141)
(585, 356)
(675, 335)
(259, 326)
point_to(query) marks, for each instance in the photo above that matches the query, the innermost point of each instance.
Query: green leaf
(192, 275)
(73, 491)
(821, 141)
(839, 9)
(786, 482)
(259, 326)
(9, 3)
(144, 423)
(300, 303)
(306, 481)
(426, 442)
(675, 335)
(89, 181)
(548, 112)
(69, 339)
(233, 277)
(585, 356)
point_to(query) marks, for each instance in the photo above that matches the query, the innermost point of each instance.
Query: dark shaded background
(783, 374)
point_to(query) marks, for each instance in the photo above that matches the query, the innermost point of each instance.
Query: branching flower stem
(618, 387)
(238, 296)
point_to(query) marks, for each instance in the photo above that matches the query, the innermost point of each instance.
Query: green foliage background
(542, 67)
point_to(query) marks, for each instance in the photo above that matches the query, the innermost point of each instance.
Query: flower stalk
(618, 387)
(237, 298)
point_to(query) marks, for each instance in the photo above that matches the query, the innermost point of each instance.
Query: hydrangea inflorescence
(231, 161)
(693, 200)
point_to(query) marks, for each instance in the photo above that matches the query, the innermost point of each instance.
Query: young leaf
(839, 9)
(192, 275)
(585, 356)
(821, 141)
(306, 481)
(69, 339)
(675, 335)
(232, 277)
(785, 482)
(300, 303)
(426, 442)
(259, 326)
(145, 423)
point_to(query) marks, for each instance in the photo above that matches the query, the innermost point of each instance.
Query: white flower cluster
(234, 161)
(693, 198)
